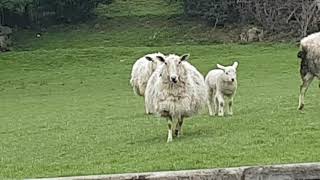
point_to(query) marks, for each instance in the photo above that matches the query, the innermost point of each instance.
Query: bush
(46, 12)
(214, 11)
(300, 17)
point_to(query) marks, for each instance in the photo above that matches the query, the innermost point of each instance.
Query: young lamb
(221, 88)
(310, 63)
(176, 90)
(142, 71)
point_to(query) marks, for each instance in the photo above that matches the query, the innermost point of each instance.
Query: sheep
(221, 87)
(176, 90)
(310, 63)
(141, 72)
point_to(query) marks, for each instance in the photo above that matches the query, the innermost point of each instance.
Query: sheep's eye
(227, 73)
(165, 63)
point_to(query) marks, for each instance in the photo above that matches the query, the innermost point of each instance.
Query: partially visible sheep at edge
(142, 71)
(221, 88)
(176, 90)
(310, 63)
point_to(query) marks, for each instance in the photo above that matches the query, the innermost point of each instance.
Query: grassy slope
(66, 108)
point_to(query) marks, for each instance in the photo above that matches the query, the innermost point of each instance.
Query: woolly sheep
(310, 63)
(221, 88)
(142, 70)
(176, 90)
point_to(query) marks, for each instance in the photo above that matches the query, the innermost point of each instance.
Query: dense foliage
(44, 12)
(295, 16)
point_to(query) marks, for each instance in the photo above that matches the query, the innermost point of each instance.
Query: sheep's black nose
(174, 79)
(232, 80)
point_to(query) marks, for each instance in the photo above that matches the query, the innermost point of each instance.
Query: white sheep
(221, 88)
(310, 63)
(176, 90)
(142, 71)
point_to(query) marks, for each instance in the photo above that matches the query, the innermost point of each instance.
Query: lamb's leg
(220, 104)
(213, 102)
(307, 79)
(216, 105)
(209, 101)
(229, 106)
(170, 125)
(178, 131)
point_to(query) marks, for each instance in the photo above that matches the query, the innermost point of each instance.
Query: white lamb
(221, 87)
(142, 71)
(176, 90)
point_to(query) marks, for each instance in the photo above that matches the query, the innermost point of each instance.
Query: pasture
(66, 106)
(72, 112)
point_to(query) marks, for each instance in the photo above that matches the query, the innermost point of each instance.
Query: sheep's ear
(161, 59)
(185, 57)
(235, 65)
(221, 67)
(149, 58)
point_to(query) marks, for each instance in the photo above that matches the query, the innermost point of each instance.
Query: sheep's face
(230, 72)
(173, 67)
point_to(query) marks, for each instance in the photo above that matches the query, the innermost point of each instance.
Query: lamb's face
(230, 72)
(173, 68)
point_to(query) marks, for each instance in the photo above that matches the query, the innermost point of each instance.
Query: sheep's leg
(147, 109)
(170, 125)
(229, 106)
(220, 104)
(147, 106)
(178, 131)
(307, 79)
(209, 102)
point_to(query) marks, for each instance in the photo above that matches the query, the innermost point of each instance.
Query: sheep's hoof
(169, 140)
(220, 115)
(301, 107)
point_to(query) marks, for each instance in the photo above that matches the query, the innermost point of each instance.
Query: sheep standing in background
(142, 71)
(310, 63)
(176, 90)
(221, 84)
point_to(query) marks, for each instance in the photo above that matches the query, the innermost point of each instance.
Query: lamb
(176, 90)
(310, 63)
(221, 88)
(142, 71)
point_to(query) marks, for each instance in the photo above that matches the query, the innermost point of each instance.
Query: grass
(66, 107)
(120, 8)
(153, 31)
(72, 112)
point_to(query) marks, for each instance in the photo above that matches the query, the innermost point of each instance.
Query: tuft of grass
(72, 112)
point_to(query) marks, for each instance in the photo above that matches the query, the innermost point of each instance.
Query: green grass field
(66, 107)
